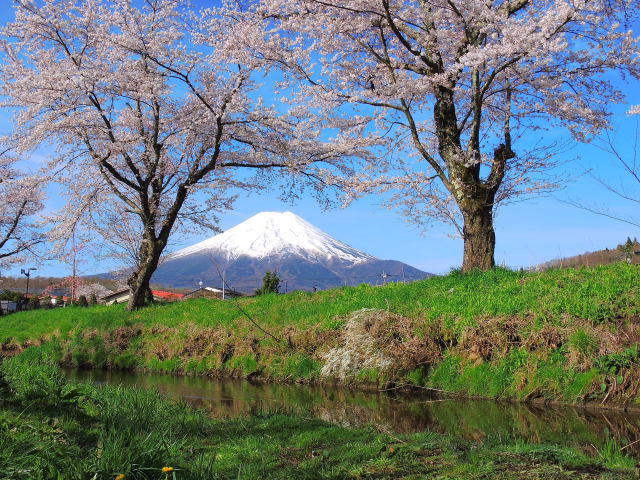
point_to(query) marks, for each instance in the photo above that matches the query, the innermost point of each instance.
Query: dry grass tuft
(381, 341)
(548, 337)
(120, 337)
(201, 341)
(10, 348)
(491, 337)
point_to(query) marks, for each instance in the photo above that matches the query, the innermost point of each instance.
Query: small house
(122, 296)
(213, 292)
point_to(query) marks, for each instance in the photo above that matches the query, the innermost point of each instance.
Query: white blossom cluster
(21, 198)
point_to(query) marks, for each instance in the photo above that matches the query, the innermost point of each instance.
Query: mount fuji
(304, 257)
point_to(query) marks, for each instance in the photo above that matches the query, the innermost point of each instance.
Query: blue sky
(527, 233)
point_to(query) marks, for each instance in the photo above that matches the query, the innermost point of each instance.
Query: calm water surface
(479, 420)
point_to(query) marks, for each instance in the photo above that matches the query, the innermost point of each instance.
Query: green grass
(80, 431)
(598, 294)
(501, 334)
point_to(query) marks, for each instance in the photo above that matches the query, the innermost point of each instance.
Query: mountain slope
(304, 256)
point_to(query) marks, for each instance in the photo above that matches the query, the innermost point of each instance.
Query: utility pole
(223, 283)
(27, 273)
(74, 268)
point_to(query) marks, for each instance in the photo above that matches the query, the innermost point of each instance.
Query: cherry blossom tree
(20, 200)
(155, 106)
(459, 93)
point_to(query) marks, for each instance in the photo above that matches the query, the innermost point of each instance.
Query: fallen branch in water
(405, 385)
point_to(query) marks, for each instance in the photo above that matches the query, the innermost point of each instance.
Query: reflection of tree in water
(476, 420)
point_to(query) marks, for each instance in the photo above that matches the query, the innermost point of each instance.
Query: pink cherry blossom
(155, 114)
(459, 100)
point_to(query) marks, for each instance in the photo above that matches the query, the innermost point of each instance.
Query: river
(392, 412)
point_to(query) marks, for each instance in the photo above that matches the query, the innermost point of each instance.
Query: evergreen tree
(270, 284)
(627, 247)
(82, 301)
(93, 300)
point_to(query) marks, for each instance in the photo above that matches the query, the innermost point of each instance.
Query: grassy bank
(562, 335)
(51, 429)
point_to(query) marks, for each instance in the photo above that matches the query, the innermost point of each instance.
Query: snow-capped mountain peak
(270, 234)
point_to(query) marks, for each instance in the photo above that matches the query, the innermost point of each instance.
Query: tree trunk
(479, 239)
(152, 246)
(139, 281)
(139, 292)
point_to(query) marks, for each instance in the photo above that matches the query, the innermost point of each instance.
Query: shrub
(126, 361)
(11, 296)
(34, 303)
(93, 300)
(46, 302)
(584, 343)
(82, 301)
(300, 365)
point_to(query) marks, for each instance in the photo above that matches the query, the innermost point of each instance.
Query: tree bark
(479, 239)
(140, 280)
(139, 291)
(474, 197)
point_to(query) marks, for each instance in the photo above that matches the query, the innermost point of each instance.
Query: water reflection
(400, 413)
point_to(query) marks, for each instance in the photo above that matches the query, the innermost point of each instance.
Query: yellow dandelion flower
(120, 477)
(167, 469)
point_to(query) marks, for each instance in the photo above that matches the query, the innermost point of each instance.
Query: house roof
(156, 293)
(166, 295)
(116, 294)
(216, 290)
(64, 297)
